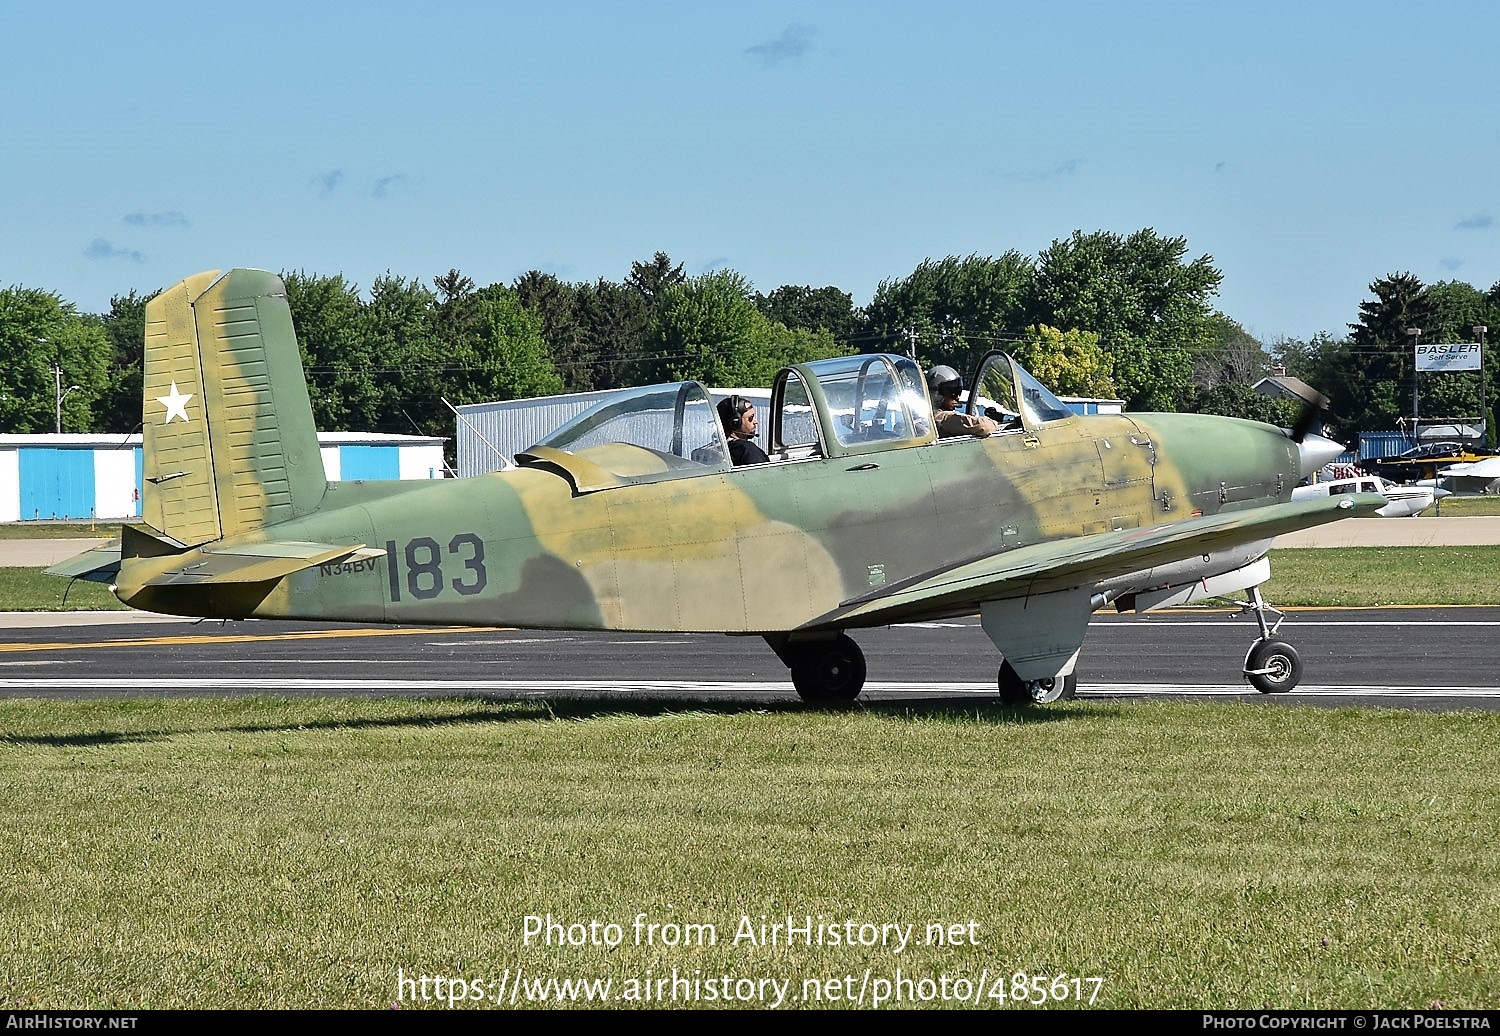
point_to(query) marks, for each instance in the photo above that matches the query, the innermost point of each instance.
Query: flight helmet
(945, 381)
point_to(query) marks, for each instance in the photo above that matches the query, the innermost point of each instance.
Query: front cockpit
(1006, 392)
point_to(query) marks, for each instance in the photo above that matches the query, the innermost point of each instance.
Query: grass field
(1467, 507)
(58, 530)
(268, 853)
(1368, 577)
(28, 590)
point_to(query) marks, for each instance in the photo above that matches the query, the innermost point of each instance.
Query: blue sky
(1309, 148)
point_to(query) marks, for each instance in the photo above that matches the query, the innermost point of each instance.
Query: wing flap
(1060, 564)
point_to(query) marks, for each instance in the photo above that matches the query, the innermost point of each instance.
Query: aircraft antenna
(411, 421)
(505, 461)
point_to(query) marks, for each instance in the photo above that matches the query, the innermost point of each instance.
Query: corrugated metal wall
(491, 434)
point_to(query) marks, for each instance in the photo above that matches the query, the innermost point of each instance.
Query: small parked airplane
(1421, 463)
(631, 516)
(1477, 476)
(1401, 501)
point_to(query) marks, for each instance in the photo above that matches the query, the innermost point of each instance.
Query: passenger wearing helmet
(946, 386)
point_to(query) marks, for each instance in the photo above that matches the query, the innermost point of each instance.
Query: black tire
(1273, 667)
(1013, 690)
(829, 671)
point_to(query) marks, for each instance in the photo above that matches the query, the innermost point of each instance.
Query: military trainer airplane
(632, 517)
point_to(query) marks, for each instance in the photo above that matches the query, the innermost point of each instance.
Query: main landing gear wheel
(828, 670)
(1016, 691)
(1273, 666)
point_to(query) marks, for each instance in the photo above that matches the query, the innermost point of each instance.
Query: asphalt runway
(1410, 658)
(1415, 658)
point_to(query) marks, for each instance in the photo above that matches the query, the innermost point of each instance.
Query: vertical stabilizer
(230, 444)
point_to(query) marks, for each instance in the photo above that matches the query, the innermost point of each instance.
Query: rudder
(230, 443)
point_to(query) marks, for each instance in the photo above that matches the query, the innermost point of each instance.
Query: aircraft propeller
(1315, 450)
(1311, 415)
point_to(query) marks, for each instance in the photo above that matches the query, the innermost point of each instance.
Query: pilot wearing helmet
(946, 385)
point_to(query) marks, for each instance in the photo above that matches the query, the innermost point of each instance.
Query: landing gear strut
(1272, 666)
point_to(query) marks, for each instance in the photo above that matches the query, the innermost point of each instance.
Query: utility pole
(57, 374)
(1484, 410)
(1415, 333)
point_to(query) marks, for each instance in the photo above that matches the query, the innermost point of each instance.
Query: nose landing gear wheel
(1273, 666)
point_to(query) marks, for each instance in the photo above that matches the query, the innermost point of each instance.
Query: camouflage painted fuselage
(866, 534)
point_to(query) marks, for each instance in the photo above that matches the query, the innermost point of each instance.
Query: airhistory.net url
(515, 987)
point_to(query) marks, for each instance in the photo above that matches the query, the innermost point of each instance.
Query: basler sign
(1448, 356)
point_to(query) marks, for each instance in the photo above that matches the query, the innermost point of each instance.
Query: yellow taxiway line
(236, 638)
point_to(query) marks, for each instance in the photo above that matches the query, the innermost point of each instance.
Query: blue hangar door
(56, 483)
(369, 462)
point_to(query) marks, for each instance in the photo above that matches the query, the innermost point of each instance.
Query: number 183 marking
(422, 562)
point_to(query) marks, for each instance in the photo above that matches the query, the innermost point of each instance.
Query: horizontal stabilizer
(102, 563)
(1058, 565)
(98, 565)
(246, 563)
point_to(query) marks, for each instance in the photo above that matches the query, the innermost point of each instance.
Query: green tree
(556, 304)
(953, 310)
(41, 334)
(1316, 362)
(1372, 385)
(709, 329)
(508, 359)
(653, 277)
(119, 408)
(1070, 363)
(791, 345)
(1236, 399)
(457, 306)
(803, 307)
(398, 326)
(1149, 306)
(1229, 355)
(614, 323)
(344, 381)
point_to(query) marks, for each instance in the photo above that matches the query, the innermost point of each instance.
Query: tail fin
(230, 444)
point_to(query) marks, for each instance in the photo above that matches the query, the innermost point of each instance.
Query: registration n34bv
(631, 516)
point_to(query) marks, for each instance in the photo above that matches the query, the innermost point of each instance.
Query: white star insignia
(176, 403)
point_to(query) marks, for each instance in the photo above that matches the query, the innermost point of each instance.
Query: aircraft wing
(1489, 467)
(1062, 564)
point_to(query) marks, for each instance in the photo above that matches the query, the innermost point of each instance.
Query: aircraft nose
(1316, 451)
